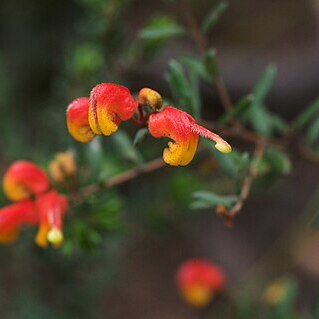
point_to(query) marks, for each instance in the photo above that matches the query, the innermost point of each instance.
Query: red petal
(24, 179)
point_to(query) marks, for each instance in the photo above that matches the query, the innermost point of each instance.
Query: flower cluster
(35, 202)
(198, 281)
(109, 104)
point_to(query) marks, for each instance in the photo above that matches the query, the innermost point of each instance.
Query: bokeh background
(53, 51)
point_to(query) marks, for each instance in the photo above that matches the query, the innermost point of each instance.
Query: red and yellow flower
(102, 113)
(51, 208)
(36, 204)
(184, 131)
(13, 216)
(77, 116)
(109, 104)
(198, 281)
(24, 180)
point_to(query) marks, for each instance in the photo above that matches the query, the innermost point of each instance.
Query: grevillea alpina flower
(77, 118)
(51, 208)
(24, 180)
(198, 281)
(109, 105)
(13, 216)
(184, 131)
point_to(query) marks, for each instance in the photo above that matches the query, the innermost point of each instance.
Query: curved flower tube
(77, 119)
(198, 280)
(23, 180)
(184, 131)
(13, 216)
(51, 209)
(109, 105)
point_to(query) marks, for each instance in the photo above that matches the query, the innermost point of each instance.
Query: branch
(199, 39)
(229, 215)
(243, 134)
(201, 43)
(119, 179)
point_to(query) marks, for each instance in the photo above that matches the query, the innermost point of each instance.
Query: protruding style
(184, 131)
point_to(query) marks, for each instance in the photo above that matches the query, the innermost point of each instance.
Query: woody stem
(119, 179)
(248, 181)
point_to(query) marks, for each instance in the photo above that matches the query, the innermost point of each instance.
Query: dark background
(133, 276)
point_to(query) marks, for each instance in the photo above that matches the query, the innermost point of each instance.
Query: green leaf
(161, 28)
(213, 16)
(95, 155)
(277, 160)
(232, 164)
(126, 147)
(205, 199)
(197, 66)
(278, 125)
(241, 106)
(258, 116)
(313, 132)
(263, 86)
(211, 64)
(178, 83)
(307, 115)
(185, 91)
(140, 135)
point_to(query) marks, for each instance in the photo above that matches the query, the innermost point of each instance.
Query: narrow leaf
(126, 147)
(140, 135)
(241, 106)
(263, 86)
(313, 132)
(213, 16)
(211, 64)
(307, 115)
(161, 28)
(206, 199)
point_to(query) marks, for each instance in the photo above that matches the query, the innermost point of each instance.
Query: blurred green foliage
(99, 48)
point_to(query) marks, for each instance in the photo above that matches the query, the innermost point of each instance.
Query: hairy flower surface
(109, 105)
(51, 208)
(77, 118)
(184, 131)
(13, 216)
(198, 280)
(23, 180)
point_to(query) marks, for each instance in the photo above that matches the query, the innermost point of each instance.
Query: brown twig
(229, 215)
(199, 39)
(201, 43)
(119, 179)
(243, 134)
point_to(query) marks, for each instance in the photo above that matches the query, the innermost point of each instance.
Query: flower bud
(150, 98)
(62, 166)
